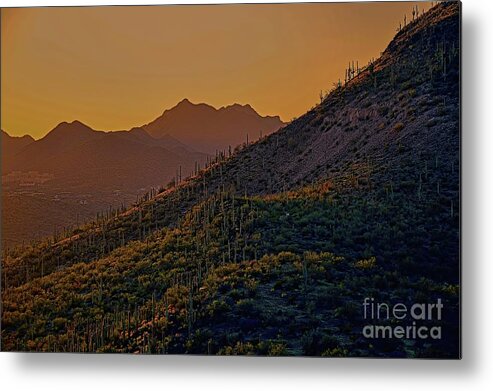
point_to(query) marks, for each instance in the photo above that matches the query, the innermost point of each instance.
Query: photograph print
(235, 179)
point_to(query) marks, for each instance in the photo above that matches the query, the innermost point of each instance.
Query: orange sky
(119, 67)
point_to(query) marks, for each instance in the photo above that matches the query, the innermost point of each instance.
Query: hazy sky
(118, 67)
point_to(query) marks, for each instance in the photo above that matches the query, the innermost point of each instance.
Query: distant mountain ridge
(121, 158)
(12, 145)
(20, 142)
(187, 128)
(225, 127)
(105, 167)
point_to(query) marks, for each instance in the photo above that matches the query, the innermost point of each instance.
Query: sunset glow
(118, 67)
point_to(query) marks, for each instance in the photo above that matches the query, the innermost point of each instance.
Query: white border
(87, 372)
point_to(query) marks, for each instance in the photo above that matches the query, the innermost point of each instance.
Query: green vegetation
(213, 285)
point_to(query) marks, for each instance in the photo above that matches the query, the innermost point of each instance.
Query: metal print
(262, 179)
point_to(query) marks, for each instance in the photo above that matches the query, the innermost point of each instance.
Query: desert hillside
(75, 172)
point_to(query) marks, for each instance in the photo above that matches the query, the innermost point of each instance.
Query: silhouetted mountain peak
(206, 128)
(25, 138)
(70, 127)
(238, 107)
(11, 145)
(185, 102)
(186, 106)
(248, 110)
(67, 135)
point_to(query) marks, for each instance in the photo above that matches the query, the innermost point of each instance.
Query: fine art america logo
(410, 320)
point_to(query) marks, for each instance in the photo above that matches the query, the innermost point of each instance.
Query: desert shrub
(431, 123)
(383, 110)
(398, 126)
(277, 349)
(369, 263)
(218, 308)
(335, 352)
(245, 306)
(347, 311)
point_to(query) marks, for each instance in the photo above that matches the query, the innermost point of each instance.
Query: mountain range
(129, 159)
(177, 138)
(12, 145)
(95, 169)
(224, 128)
